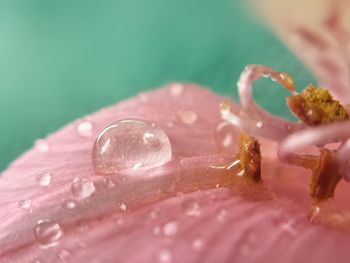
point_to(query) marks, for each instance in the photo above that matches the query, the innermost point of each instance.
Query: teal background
(60, 60)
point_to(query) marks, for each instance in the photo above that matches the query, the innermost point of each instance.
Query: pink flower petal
(189, 210)
(318, 31)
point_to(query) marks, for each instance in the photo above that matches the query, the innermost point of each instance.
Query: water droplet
(170, 229)
(69, 204)
(222, 216)
(156, 231)
(226, 136)
(42, 145)
(82, 188)
(47, 232)
(315, 212)
(143, 97)
(127, 143)
(122, 207)
(176, 89)
(191, 208)
(248, 243)
(153, 215)
(188, 116)
(259, 124)
(108, 183)
(165, 256)
(44, 179)
(85, 128)
(137, 166)
(25, 204)
(197, 244)
(64, 255)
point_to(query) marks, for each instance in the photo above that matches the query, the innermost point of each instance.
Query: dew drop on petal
(222, 216)
(170, 229)
(129, 144)
(42, 145)
(69, 204)
(122, 207)
(44, 179)
(47, 232)
(108, 183)
(25, 204)
(191, 208)
(143, 97)
(259, 124)
(85, 128)
(64, 255)
(197, 244)
(82, 188)
(176, 89)
(156, 231)
(165, 256)
(226, 136)
(188, 116)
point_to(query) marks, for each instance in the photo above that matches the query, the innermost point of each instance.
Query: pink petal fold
(318, 31)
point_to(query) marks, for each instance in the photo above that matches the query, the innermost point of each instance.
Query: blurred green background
(60, 60)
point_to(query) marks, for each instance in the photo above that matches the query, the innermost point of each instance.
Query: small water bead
(222, 216)
(191, 208)
(108, 183)
(129, 144)
(197, 244)
(47, 232)
(188, 117)
(259, 124)
(165, 256)
(85, 128)
(176, 89)
(42, 145)
(122, 207)
(170, 229)
(226, 136)
(82, 188)
(25, 204)
(44, 179)
(143, 97)
(69, 204)
(156, 231)
(64, 255)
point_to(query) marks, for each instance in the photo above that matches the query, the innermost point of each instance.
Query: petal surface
(192, 209)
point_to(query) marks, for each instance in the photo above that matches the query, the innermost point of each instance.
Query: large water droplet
(170, 229)
(128, 144)
(25, 204)
(43, 179)
(47, 232)
(82, 188)
(188, 116)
